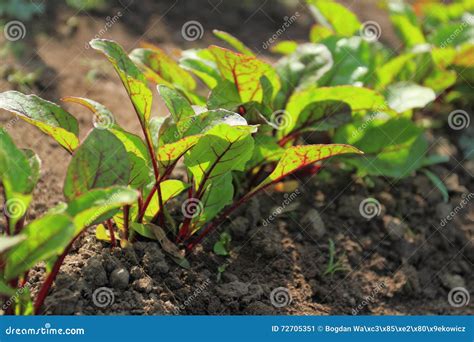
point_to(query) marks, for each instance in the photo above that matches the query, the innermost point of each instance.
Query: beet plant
(344, 87)
(121, 182)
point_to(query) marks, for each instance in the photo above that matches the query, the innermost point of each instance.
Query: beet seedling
(121, 182)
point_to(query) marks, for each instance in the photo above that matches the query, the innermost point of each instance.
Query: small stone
(119, 278)
(313, 223)
(394, 227)
(144, 285)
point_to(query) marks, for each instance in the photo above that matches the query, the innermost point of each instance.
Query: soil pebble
(94, 272)
(313, 223)
(394, 227)
(119, 278)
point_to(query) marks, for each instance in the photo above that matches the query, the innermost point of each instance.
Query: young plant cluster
(342, 90)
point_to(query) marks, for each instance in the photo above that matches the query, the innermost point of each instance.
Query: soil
(401, 261)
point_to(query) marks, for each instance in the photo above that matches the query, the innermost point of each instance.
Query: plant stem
(112, 233)
(126, 218)
(46, 286)
(221, 218)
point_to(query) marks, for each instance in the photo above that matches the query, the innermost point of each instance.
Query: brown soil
(399, 262)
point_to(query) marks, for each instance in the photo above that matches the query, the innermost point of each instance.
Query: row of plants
(340, 94)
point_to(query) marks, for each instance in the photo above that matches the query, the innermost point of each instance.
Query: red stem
(46, 286)
(126, 218)
(221, 218)
(112, 233)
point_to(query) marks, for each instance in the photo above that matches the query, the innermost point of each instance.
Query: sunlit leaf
(132, 78)
(98, 205)
(245, 72)
(333, 15)
(100, 161)
(233, 41)
(164, 66)
(222, 149)
(297, 157)
(47, 116)
(178, 106)
(169, 189)
(393, 148)
(46, 238)
(404, 96)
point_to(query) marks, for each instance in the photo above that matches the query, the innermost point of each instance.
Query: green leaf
(388, 72)
(202, 64)
(221, 247)
(218, 194)
(359, 99)
(320, 116)
(169, 189)
(222, 149)
(234, 42)
(47, 116)
(354, 61)
(132, 78)
(98, 205)
(404, 96)
(297, 157)
(393, 148)
(198, 124)
(302, 68)
(35, 169)
(224, 95)
(333, 15)
(17, 177)
(15, 168)
(245, 72)
(319, 32)
(6, 290)
(138, 155)
(46, 238)
(284, 47)
(438, 183)
(167, 69)
(169, 154)
(101, 161)
(141, 172)
(178, 106)
(406, 24)
(7, 242)
(266, 150)
(103, 117)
